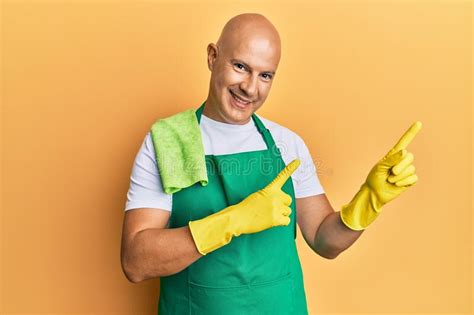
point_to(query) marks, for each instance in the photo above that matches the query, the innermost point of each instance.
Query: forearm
(333, 236)
(160, 252)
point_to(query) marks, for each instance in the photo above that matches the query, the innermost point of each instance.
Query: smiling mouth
(238, 99)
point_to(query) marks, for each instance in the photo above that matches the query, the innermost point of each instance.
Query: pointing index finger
(407, 137)
(283, 176)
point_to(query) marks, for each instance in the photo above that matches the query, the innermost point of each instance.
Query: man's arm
(322, 227)
(150, 250)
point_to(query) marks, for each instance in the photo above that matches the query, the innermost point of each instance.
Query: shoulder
(147, 149)
(182, 116)
(175, 131)
(282, 134)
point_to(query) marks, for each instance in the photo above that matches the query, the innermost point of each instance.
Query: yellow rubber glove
(391, 176)
(261, 210)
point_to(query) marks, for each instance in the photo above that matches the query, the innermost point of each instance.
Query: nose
(249, 86)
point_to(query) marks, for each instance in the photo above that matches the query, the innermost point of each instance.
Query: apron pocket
(270, 297)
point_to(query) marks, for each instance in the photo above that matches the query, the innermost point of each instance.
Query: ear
(212, 52)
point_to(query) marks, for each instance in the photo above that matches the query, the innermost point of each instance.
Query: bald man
(208, 265)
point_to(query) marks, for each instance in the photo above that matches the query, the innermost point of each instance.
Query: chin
(236, 116)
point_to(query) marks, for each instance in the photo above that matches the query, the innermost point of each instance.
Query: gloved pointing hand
(259, 211)
(391, 176)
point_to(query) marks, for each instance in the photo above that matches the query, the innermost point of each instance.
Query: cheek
(229, 78)
(263, 91)
(268, 86)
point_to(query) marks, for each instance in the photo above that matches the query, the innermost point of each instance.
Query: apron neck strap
(199, 112)
(260, 127)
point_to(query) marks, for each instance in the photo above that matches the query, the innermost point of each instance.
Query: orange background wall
(84, 80)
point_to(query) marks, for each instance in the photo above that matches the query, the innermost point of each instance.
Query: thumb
(283, 176)
(394, 158)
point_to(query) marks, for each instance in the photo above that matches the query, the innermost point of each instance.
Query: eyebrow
(246, 65)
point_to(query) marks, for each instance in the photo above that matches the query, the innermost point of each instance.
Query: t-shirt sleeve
(305, 178)
(146, 190)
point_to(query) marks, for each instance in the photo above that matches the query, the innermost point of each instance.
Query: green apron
(256, 273)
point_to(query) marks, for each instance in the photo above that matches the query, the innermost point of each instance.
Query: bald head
(247, 28)
(243, 64)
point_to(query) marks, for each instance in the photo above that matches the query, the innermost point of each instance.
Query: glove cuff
(362, 210)
(213, 231)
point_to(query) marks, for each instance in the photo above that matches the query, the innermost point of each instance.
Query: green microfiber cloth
(179, 151)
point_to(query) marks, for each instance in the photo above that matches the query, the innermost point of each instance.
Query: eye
(268, 76)
(239, 66)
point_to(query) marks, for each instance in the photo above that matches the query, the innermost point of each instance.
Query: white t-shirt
(146, 190)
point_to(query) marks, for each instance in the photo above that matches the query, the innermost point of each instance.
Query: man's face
(241, 78)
